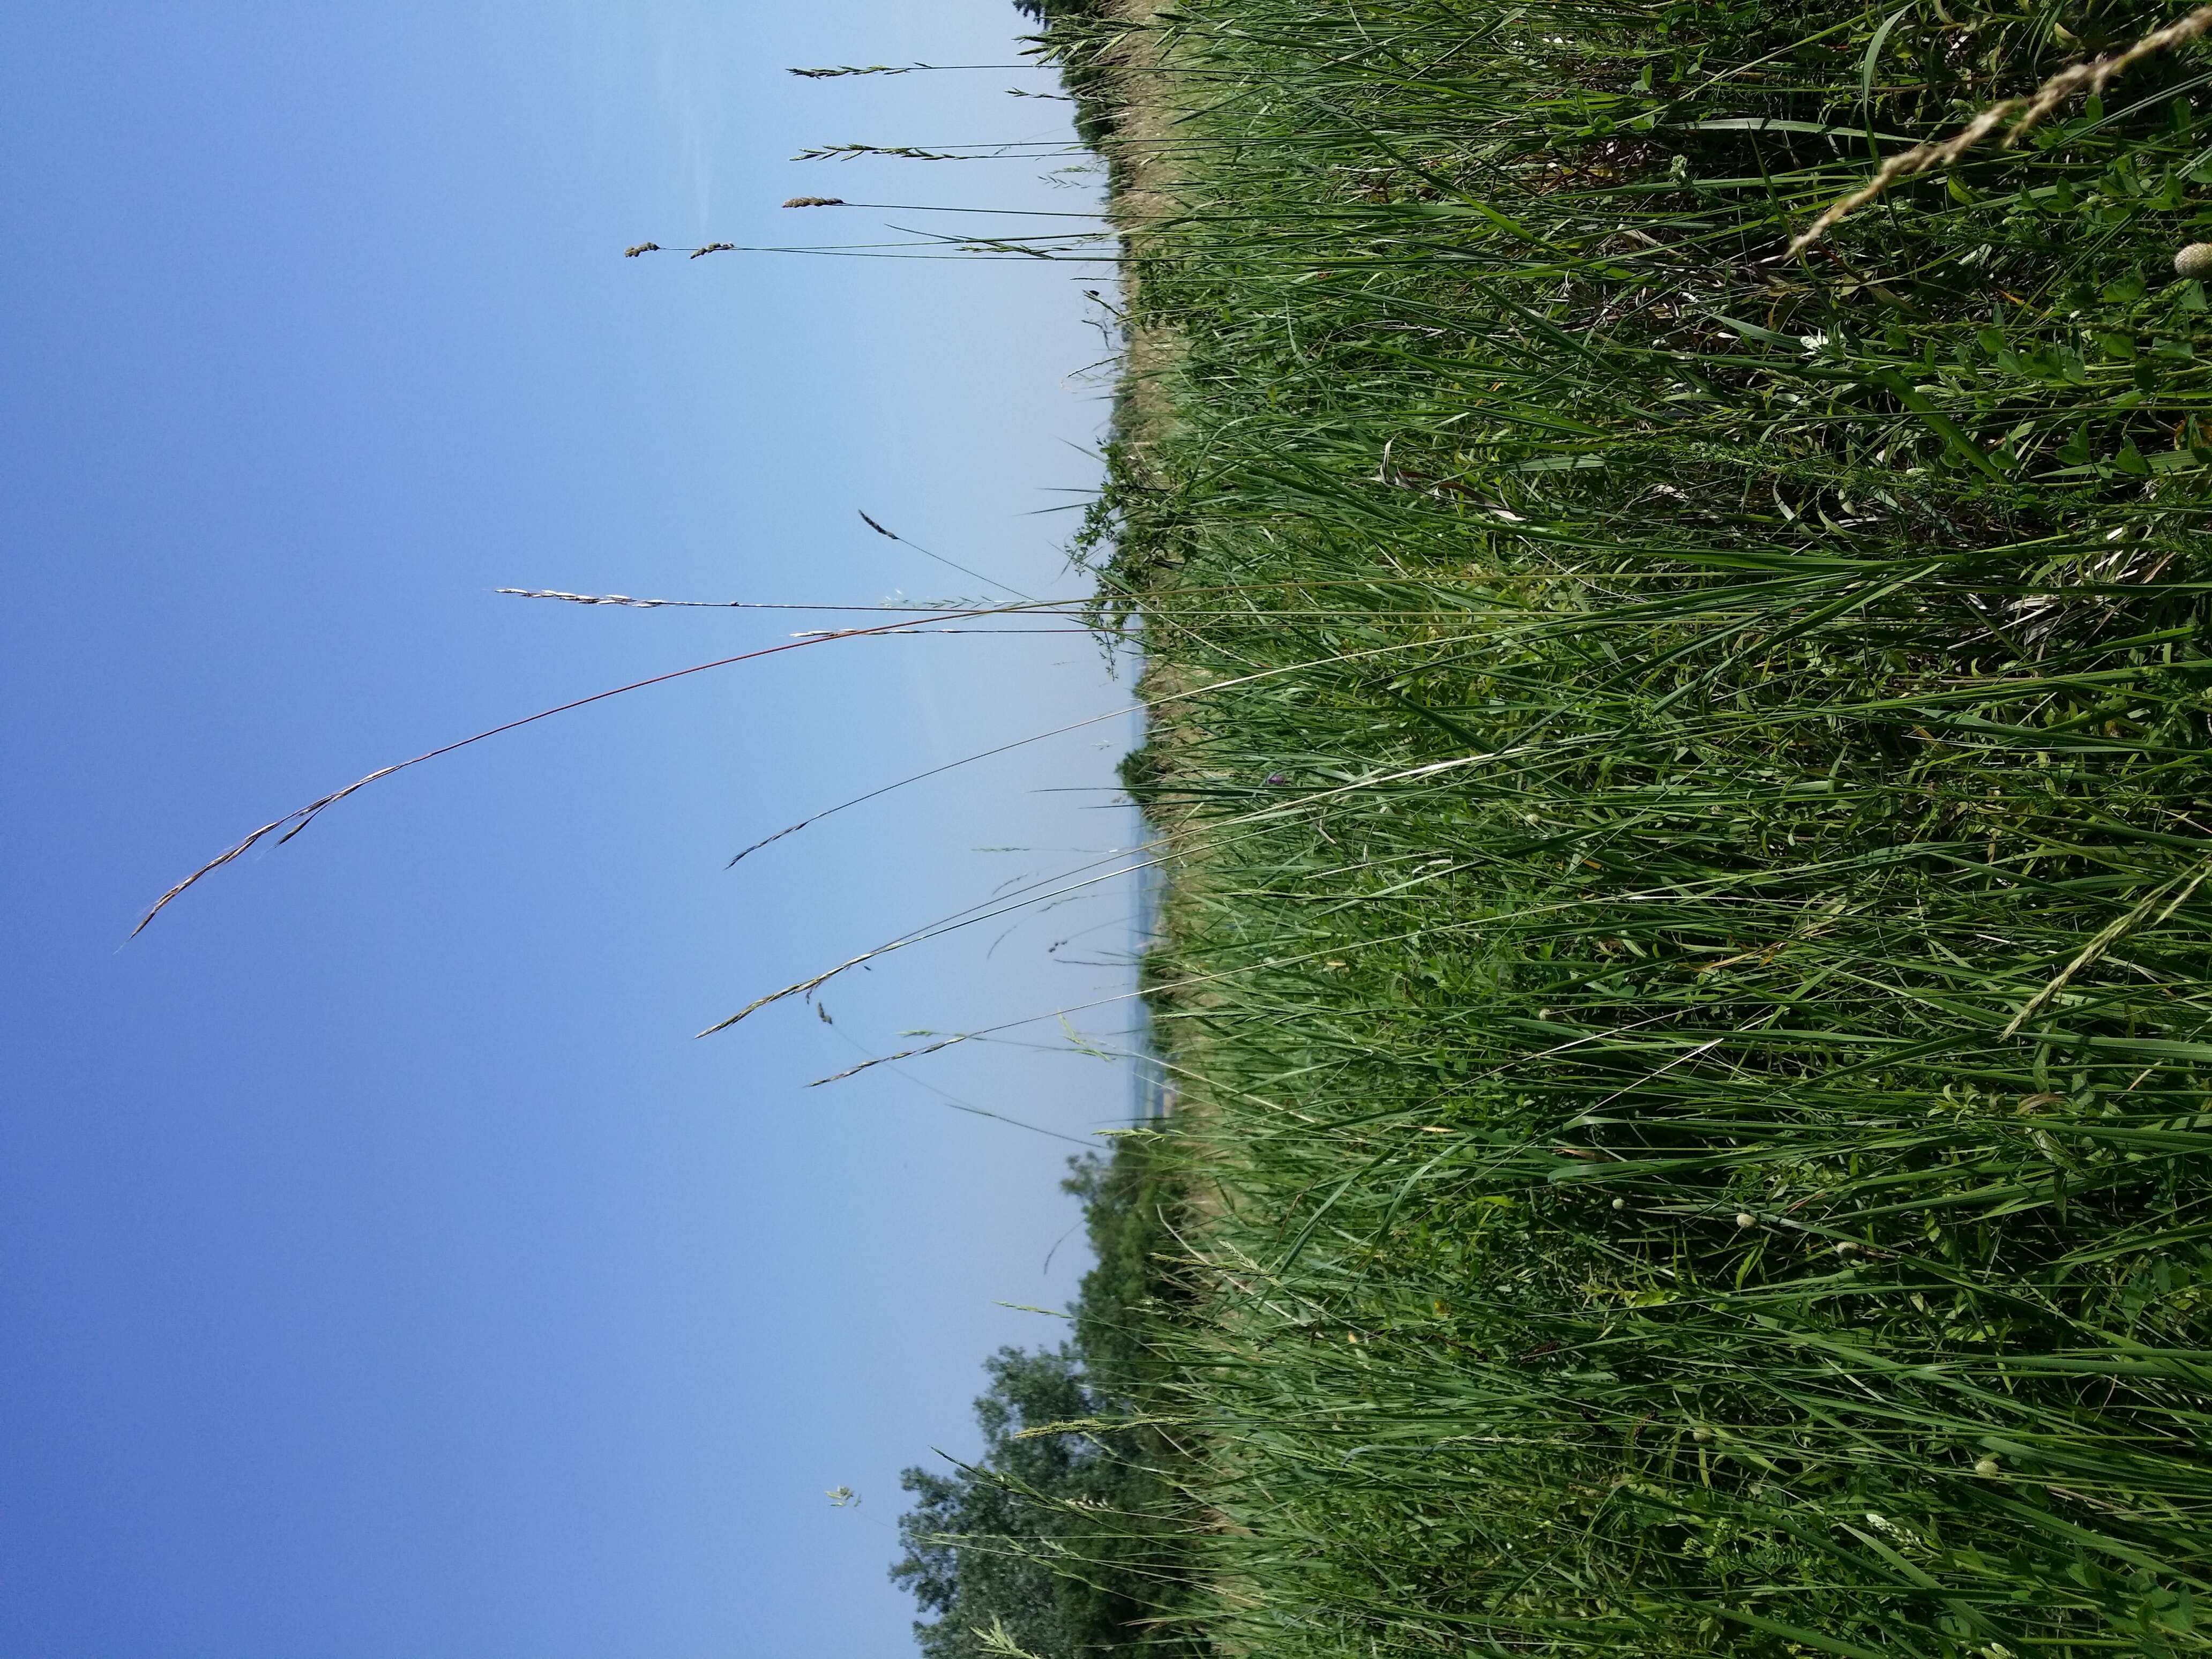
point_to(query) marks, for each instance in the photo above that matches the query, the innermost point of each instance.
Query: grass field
(1691, 949)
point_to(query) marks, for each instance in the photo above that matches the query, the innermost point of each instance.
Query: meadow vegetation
(1683, 765)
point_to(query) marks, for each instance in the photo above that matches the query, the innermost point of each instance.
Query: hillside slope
(1686, 763)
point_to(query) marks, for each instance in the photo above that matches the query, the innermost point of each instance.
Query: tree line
(1069, 1537)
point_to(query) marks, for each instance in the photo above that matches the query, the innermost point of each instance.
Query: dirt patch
(1147, 190)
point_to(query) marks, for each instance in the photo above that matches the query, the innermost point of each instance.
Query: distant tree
(1124, 1204)
(1066, 26)
(1003, 1541)
(1069, 1544)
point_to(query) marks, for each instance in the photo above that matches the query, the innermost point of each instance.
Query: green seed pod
(1987, 1467)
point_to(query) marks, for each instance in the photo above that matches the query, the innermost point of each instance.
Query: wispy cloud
(662, 63)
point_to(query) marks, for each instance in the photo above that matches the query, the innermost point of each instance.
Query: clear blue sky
(383, 1270)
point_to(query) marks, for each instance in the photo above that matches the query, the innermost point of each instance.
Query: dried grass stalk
(2091, 76)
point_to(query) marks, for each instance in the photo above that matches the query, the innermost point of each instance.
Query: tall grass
(1690, 985)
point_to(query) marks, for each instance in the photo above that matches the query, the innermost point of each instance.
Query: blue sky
(384, 1269)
